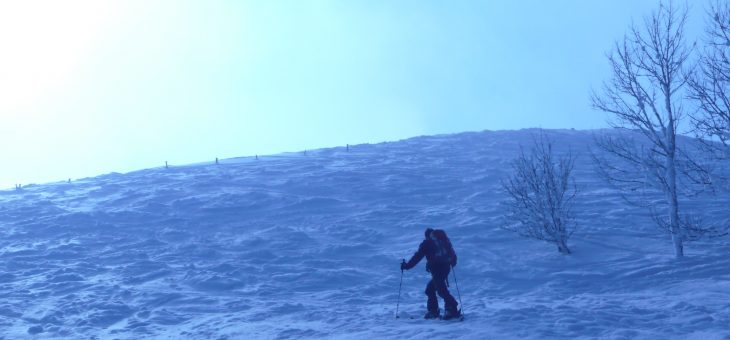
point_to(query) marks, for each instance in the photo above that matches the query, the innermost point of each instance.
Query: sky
(92, 87)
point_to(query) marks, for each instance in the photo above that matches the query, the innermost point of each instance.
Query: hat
(428, 232)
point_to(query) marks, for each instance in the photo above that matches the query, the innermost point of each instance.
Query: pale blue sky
(90, 87)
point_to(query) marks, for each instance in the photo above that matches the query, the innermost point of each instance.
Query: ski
(460, 318)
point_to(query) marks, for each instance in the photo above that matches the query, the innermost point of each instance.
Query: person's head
(428, 233)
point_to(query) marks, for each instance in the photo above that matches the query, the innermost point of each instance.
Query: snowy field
(298, 246)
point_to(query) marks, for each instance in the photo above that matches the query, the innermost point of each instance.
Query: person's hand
(403, 265)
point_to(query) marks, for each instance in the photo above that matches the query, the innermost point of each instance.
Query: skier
(440, 257)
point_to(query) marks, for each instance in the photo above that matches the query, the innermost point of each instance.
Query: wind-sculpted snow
(308, 246)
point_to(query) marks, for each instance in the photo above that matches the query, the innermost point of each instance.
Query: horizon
(92, 88)
(290, 152)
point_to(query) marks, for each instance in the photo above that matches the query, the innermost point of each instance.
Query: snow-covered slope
(308, 246)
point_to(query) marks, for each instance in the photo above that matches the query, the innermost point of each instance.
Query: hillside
(297, 246)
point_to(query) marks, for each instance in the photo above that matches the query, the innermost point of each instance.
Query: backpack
(444, 250)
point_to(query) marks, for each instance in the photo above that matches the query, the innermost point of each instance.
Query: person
(440, 257)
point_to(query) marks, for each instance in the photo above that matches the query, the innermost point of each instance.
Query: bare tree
(710, 84)
(650, 74)
(541, 193)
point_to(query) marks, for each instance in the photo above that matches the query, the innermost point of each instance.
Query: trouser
(438, 285)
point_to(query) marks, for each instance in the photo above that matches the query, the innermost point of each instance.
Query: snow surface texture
(308, 246)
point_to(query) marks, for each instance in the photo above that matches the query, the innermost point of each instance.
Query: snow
(298, 246)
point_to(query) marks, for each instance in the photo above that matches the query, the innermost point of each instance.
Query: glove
(403, 265)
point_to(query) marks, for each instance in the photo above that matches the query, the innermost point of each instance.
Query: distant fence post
(216, 160)
(166, 167)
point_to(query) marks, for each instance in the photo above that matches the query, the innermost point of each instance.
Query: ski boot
(452, 314)
(433, 314)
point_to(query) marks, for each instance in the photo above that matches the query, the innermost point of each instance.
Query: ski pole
(457, 289)
(399, 288)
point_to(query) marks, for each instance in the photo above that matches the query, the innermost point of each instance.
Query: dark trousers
(438, 285)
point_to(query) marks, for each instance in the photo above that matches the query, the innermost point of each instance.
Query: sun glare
(42, 42)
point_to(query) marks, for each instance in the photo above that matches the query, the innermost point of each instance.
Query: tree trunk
(563, 247)
(674, 209)
(671, 139)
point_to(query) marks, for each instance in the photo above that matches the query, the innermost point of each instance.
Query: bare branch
(541, 193)
(651, 72)
(710, 83)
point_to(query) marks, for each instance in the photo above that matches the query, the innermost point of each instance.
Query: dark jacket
(428, 248)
